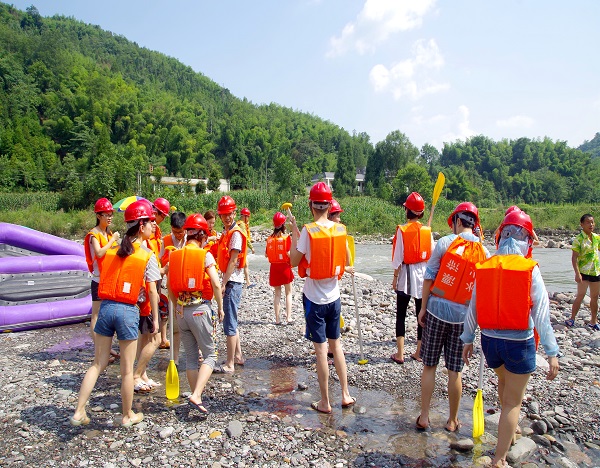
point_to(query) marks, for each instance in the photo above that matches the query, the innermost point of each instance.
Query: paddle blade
(478, 422)
(172, 383)
(350, 241)
(439, 185)
(286, 206)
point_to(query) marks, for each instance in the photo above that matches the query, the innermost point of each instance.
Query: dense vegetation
(85, 113)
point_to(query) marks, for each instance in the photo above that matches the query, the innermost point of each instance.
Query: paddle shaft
(481, 367)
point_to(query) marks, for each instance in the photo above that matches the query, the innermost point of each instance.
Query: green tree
(412, 178)
(345, 175)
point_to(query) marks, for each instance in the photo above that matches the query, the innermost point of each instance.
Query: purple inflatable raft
(44, 280)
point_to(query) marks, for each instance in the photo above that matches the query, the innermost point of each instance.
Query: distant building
(178, 181)
(328, 177)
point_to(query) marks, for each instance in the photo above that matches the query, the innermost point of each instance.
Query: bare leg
(288, 301)
(277, 303)
(427, 387)
(594, 290)
(231, 347)
(581, 290)
(101, 355)
(512, 396)
(201, 378)
(454, 393)
(176, 342)
(400, 345)
(247, 274)
(94, 319)
(162, 325)
(128, 350)
(339, 361)
(417, 355)
(323, 375)
(149, 346)
(238, 357)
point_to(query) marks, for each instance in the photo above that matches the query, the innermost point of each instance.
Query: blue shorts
(231, 304)
(322, 320)
(118, 317)
(518, 357)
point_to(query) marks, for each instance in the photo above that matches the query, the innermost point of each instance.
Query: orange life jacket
(207, 289)
(504, 292)
(155, 243)
(186, 269)
(277, 249)
(456, 276)
(416, 239)
(167, 242)
(223, 254)
(327, 252)
(122, 278)
(88, 249)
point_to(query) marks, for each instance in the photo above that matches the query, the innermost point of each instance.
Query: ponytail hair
(278, 231)
(126, 247)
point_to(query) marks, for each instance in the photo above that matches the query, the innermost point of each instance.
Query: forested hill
(85, 110)
(88, 113)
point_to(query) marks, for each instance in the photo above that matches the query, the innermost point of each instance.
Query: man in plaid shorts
(447, 287)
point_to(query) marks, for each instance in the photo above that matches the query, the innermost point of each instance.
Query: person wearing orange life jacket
(280, 270)
(319, 252)
(96, 244)
(509, 299)
(173, 241)
(244, 225)
(411, 250)
(447, 288)
(231, 259)
(150, 336)
(127, 284)
(193, 280)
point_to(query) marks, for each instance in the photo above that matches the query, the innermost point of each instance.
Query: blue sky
(437, 70)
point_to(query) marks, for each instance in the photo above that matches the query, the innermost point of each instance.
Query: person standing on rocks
(244, 224)
(319, 252)
(586, 264)
(231, 259)
(411, 250)
(280, 270)
(510, 299)
(127, 285)
(447, 288)
(193, 282)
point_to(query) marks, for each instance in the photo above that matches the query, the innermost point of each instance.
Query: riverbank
(261, 415)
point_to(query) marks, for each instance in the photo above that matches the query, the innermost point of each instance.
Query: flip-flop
(84, 421)
(419, 426)
(416, 358)
(396, 360)
(138, 418)
(153, 383)
(350, 405)
(315, 405)
(458, 426)
(198, 406)
(142, 387)
(221, 370)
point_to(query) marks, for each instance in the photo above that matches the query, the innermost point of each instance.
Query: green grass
(362, 215)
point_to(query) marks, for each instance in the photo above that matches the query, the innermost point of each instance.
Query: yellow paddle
(362, 359)
(437, 190)
(478, 421)
(172, 380)
(287, 206)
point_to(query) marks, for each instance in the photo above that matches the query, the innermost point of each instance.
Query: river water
(375, 260)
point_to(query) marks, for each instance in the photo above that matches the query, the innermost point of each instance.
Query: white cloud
(376, 22)
(462, 126)
(410, 78)
(516, 121)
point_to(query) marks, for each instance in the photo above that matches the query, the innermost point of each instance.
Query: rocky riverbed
(261, 416)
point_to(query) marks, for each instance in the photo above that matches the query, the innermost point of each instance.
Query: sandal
(138, 418)
(84, 421)
(165, 345)
(351, 404)
(456, 427)
(198, 406)
(419, 426)
(142, 388)
(569, 323)
(152, 383)
(396, 360)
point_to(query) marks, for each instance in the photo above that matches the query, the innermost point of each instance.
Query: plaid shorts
(438, 334)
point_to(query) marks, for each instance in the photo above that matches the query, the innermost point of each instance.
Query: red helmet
(510, 209)
(278, 220)
(320, 193)
(163, 206)
(226, 205)
(516, 218)
(335, 207)
(245, 212)
(465, 206)
(414, 202)
(196, 221)
(103, 205)
(139, 209)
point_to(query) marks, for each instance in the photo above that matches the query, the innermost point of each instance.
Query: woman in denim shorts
(508, 322)
(119, 317)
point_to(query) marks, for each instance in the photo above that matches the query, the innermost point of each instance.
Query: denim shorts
(518, 357)
(118, 317)
(231, 304)
(322, 320)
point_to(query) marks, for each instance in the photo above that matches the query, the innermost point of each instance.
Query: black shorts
(591, 279)
(146, 325)
(94, 289)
